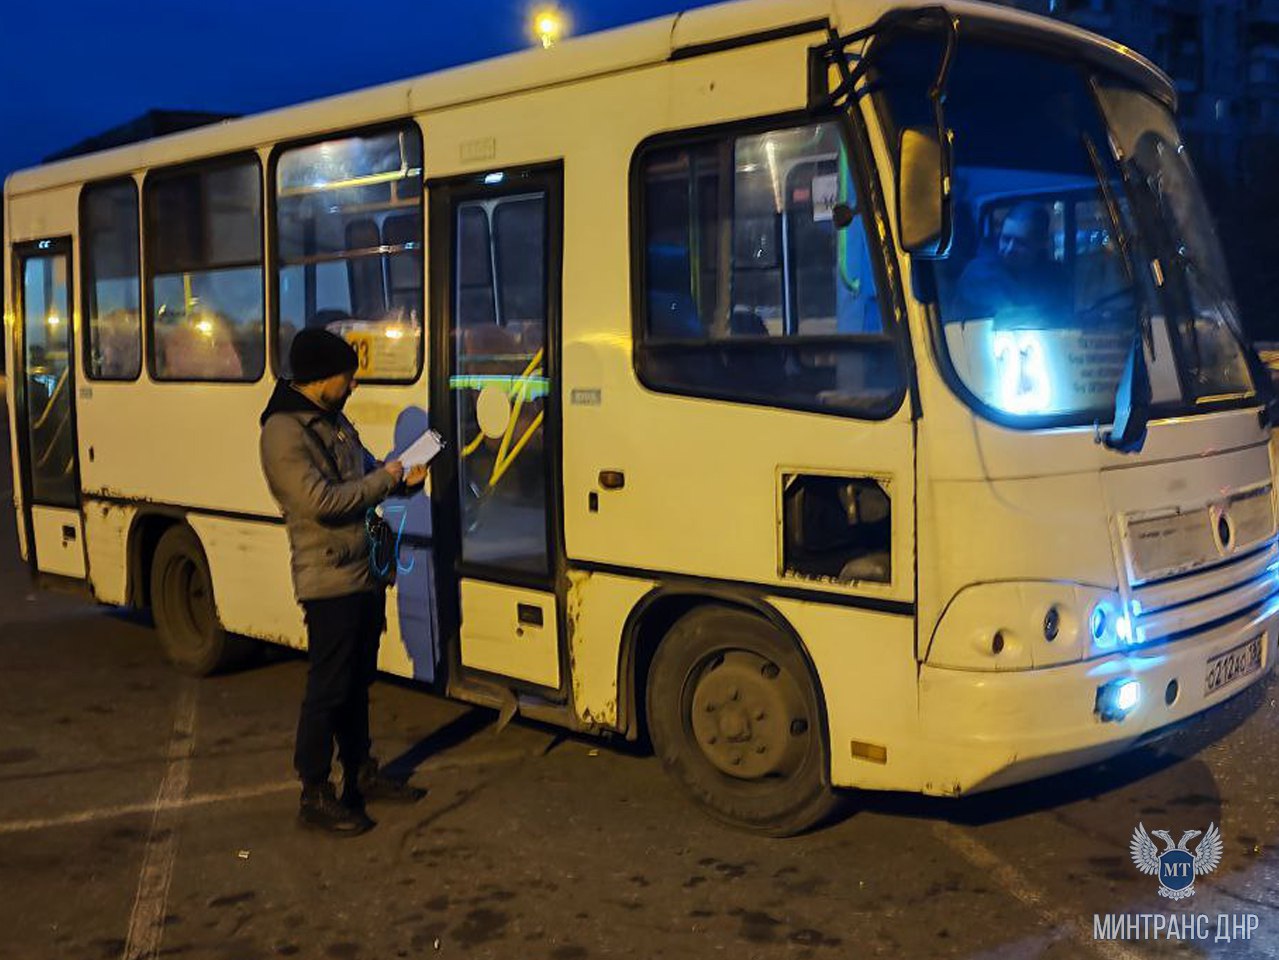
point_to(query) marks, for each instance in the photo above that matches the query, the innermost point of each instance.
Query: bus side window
(752, 291)
(849, 305)
(348, 220)
(368, 298)
(112, 280)
(204, 242)
(403, 273)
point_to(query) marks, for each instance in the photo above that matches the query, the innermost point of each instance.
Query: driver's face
(1018, 245)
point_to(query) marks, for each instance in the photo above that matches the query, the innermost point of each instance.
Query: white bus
(759, 447)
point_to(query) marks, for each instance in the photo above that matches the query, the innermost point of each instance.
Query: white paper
(422, 450)
(825, 196)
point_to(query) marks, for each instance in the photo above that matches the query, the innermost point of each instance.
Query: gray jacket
(324, 481)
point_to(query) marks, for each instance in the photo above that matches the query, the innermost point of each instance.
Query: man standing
(325, 482)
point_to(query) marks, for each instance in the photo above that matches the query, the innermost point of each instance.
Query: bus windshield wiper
(1127, 433)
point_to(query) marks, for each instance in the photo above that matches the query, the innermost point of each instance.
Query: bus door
(44, 380)
(496, 278)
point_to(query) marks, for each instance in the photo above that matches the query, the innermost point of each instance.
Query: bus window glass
(349, 248)
(112, 281)
(500, 380)
(46, 339)
(1210, 333)
(518, 228)
(1062, 253)
(476, 301)
(752, 292)
(204, 243)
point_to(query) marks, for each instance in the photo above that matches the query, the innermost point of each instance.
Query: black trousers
(343, 634)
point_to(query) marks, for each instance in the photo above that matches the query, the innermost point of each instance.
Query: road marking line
(435, 764)
(1015, 883)
(146, 923)
(129, 809)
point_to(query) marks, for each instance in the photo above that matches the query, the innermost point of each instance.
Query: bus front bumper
(985, 730)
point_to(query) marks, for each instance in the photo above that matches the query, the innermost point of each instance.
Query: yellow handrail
(521, 390)
(48, 407)
(503, 460)
(53, 440)
(500, 467)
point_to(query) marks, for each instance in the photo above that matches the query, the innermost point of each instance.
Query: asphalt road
(143, 814)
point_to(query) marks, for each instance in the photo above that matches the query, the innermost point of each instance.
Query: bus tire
(734, 717)
(184, 610)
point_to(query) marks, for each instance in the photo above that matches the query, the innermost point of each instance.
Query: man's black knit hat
(317, 354)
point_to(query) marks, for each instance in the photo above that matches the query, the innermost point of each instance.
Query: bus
(762, 446)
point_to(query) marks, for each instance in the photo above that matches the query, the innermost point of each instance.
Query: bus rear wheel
(182, 604)
(734, 716)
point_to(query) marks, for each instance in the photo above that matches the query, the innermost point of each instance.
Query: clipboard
(422, 450)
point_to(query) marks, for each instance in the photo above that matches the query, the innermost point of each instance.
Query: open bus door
(44, 391)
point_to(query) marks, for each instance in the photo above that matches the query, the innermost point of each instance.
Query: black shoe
(373, 785)
(320, 810)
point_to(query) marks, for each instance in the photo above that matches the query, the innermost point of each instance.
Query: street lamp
(549, 26)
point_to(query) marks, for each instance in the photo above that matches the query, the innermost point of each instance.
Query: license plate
(1233, 665)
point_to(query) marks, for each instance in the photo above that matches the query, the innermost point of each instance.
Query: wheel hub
(190, 599)
(748, 716)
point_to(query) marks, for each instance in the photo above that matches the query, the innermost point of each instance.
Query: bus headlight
(1021, 625)
(1099, 623)
(1109, 625)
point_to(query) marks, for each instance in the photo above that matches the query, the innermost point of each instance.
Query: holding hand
(395, 469)
(416, 475)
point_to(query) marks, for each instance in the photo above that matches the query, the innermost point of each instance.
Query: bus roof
(608, 52)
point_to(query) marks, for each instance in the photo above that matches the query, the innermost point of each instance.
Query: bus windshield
(1080, 231)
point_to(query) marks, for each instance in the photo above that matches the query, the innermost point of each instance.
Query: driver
(1020, 274)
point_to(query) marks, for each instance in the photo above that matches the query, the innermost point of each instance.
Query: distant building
(1222, 54)
(153, 123)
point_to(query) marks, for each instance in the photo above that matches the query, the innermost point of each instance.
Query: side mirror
(923, 201)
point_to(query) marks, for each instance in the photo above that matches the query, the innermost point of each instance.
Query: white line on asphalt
(129, 809)
(1015, 883)
(443, 762)
(146, 923)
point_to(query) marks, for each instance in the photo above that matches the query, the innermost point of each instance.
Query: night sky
(74, 68)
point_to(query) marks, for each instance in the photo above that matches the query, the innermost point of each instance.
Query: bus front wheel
(186, 616)
(734, 716)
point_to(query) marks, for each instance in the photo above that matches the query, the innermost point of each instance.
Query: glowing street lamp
(549, 26)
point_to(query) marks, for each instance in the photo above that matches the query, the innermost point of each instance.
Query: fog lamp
(1117, 699)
